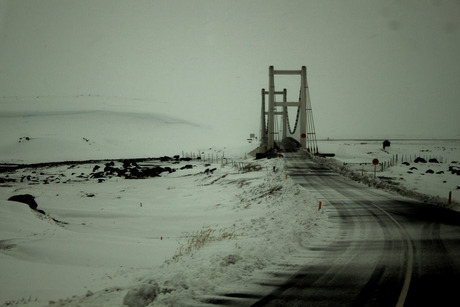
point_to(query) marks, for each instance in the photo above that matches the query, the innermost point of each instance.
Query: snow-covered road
(387, 250)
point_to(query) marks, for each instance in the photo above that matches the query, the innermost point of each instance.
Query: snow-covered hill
(37, 129)
(60, 136)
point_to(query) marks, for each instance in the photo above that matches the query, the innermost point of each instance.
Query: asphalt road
(386, 251)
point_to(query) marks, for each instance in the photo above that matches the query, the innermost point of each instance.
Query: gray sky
(375, 68)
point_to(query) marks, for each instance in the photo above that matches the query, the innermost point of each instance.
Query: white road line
(410, 260)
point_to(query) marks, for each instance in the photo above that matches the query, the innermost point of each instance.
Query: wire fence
(396, 159)
(220, 158)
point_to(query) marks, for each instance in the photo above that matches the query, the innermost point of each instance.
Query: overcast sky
(375, 68)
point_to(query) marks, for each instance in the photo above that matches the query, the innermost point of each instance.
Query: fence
(394, 160)
(211, 158)
(220, 158)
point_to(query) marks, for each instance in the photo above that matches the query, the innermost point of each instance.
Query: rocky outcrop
(25, 199)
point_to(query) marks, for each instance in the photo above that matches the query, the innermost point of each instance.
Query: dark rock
(130, 164)
(30, 200)
(386, 143)
(176, 157)
(5, 180)
(440, 172)
(110, 170)
(185, 159)
(132, 173)
(188, 166)
(97, 175)
(406, 163)
(209, 171)
(413, 168)
(419, 160)
(152, 172)
(95, 168)
(135, 173)
(433, 160)
(430, 171)
(165, 159)
(25, 199)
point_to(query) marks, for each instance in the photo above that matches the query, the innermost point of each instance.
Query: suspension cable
(296, 119)
(311, 123)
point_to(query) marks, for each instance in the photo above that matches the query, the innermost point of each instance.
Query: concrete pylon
(268, 134)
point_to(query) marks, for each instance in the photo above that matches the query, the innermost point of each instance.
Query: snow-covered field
(173, 239)
(180, 236)
(398, 169)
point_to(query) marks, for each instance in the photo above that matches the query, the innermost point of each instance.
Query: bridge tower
(307, 132)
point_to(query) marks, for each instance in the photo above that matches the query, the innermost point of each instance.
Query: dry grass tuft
(199, 239)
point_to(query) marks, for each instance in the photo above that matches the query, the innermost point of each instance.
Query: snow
(63, 129)
(400, 172)
(174, 239)
(178, 237)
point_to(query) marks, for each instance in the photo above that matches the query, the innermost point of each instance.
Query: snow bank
(171, 240)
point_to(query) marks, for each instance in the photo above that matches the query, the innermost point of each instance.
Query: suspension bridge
(276, 131)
